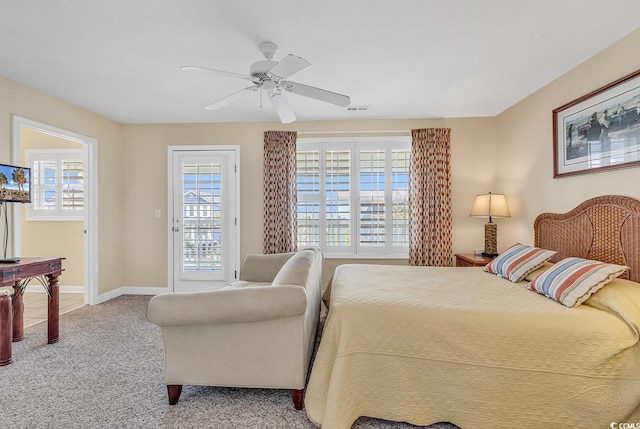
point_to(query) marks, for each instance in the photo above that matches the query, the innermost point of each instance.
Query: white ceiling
(402, 58)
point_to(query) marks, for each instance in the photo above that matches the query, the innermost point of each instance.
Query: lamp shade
(490, 205)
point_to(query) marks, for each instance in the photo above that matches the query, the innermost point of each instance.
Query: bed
(434, 344)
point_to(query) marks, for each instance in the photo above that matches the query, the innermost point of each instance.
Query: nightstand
(469, 260)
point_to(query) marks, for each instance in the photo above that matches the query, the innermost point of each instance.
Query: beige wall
(525, 155)
(65, 238)
(20, 100)
(145, 149)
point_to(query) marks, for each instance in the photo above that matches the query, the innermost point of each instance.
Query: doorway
(85, 230)
(203, 217)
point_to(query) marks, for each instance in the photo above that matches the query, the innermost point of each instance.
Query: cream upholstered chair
(258, 331)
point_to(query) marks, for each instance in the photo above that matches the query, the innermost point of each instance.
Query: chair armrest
(249, 304)
(263, 267)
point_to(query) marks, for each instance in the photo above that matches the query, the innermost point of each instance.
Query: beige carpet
(107, 372)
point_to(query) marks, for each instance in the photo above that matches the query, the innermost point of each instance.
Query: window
(57, 184)
(353, 195)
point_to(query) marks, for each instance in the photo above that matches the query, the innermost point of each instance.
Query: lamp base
(490, 239)
(489, 255)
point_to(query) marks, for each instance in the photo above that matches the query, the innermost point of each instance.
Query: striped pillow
(518, 261)
(573, 280)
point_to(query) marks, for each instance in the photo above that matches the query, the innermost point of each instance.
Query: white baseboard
(125, 290)
(130, 290)
(36, 288)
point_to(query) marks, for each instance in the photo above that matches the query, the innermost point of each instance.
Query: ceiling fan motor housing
(260, 69)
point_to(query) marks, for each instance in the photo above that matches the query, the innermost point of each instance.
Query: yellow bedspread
(427, 344)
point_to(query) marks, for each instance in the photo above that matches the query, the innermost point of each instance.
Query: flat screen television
(15, 184)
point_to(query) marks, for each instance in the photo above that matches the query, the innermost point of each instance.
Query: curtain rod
(357, 132)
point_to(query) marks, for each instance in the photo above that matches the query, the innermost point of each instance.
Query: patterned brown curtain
(430, 198)
(280, 200)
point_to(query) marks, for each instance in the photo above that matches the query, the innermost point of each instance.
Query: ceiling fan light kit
(271, 76)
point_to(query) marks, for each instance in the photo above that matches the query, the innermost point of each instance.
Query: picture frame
(599, 131)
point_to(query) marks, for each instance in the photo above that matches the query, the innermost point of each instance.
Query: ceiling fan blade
(289, 66)
(318, 94)
(218, 72)
(282, 108)
(228, 99)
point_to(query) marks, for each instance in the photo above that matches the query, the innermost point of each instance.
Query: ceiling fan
(271, 76)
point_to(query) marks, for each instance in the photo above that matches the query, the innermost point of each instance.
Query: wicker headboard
(605, 228)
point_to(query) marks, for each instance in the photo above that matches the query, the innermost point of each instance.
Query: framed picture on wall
(600, 130)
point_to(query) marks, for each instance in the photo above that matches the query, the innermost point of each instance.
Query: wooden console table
(18, 274)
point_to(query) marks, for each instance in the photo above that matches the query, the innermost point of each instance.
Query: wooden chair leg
(174, 391)
(296, 395)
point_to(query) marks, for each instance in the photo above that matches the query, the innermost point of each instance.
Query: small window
(57, 185)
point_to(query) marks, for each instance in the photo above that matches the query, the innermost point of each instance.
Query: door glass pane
(202, 216)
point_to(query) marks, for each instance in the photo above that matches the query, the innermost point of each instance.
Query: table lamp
(490, 205)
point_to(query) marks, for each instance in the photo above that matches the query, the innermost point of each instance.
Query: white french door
(203, 230)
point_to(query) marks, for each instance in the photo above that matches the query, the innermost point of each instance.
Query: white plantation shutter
(337, 200)
(72, 185)
(372, 207)
(308, 189)
(400, 197)
(352, 195)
